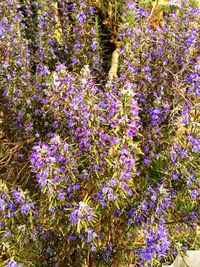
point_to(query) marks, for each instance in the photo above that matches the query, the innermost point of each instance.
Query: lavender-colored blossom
(194, 194)
(195, 142)
(82, 212)
(13, 263)
(25, 208)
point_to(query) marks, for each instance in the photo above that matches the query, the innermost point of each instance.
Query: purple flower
(156, 116)
(194, 194)
(110, 196)
(146, 256)
(52, 209)
(105, 190)
(195, 142)
(19, 198)
(25, 208)
(90, 233)
(2, 204)
(113, 182)
(13, 263)
(7, 233)
(82, 212)
(81, 17)
(94, 44)
(93, 248)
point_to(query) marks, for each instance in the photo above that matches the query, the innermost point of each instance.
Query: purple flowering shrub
(97, 171)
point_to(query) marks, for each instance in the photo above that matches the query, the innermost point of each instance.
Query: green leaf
(79, 226)
(109, 162)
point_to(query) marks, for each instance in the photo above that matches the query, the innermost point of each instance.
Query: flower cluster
(82, 212)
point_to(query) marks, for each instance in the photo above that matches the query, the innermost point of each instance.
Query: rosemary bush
(98, 170)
